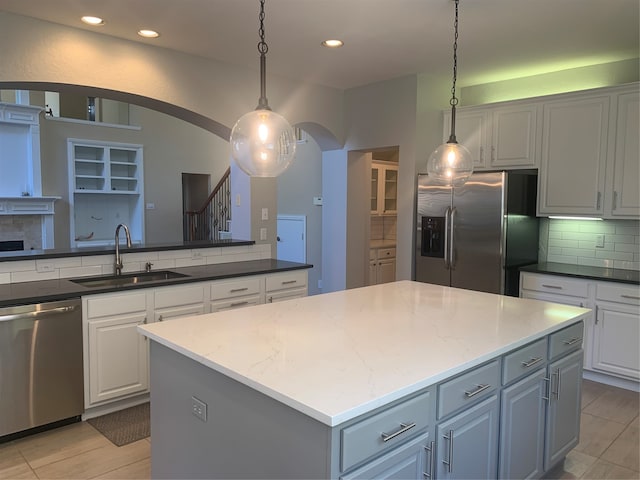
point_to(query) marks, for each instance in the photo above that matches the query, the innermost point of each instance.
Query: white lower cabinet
(616, 331)
(236, 293)
(180, 301)
(286, 286)
(116, 356)
(382, 265)
(611, 332)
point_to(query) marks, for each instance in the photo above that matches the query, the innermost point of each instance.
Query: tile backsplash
(575, 242)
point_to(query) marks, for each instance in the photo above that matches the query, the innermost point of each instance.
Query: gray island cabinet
(400, 380)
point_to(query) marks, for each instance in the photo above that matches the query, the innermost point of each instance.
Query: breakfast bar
(388, 380)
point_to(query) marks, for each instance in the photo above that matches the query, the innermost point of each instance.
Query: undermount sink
(127, 279)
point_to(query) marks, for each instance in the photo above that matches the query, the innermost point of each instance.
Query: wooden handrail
(225, 175)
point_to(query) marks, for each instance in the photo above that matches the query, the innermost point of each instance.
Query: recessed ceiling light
(332, 43)
(148, 33)
(95, 21)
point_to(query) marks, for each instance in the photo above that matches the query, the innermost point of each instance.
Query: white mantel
(27, 205)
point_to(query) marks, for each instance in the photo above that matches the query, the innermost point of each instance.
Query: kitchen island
(365, 383)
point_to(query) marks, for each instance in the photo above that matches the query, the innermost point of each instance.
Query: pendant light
(262, 142)
(451, 163)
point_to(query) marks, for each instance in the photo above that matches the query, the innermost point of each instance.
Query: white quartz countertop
(338, 355)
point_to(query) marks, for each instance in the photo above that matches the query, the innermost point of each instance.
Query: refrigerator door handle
(452, 261)
(447, 214)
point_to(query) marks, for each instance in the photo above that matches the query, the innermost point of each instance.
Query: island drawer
(524, 360)
(384, 430)
(235, 288)
(284, 280)
(566, 340)
(467, 388)
(555, 284)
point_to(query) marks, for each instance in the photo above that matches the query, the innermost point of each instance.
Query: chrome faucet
(118, 265)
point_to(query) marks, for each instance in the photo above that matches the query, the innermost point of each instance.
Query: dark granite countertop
(51, 290)
(583, 271)
(108, 250)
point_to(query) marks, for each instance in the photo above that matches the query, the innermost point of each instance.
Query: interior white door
(292, 238)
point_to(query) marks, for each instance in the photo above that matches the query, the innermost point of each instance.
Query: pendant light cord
(454, 100)
(263, 48)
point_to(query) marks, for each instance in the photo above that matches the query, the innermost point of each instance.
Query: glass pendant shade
(263, 143)
(450, 164)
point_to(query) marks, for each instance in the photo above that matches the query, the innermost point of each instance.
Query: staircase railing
(207, 222)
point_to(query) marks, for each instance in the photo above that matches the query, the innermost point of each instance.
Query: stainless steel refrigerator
(476, 236)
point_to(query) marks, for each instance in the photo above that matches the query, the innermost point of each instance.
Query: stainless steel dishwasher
(40, 365)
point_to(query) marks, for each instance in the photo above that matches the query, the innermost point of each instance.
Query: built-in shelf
(106, 188)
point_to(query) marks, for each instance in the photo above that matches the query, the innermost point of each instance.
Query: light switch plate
(265, 214)
(263, 233)
(600, 240)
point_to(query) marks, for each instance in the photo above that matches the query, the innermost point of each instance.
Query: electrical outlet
(44, 267)
(199, 409)
(265, 214)
(600, 240)
(263, 233)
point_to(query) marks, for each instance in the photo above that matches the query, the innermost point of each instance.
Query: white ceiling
(499, 39)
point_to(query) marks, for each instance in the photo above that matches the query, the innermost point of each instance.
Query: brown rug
(125, 426)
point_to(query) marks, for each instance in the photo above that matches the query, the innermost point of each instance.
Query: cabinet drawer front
(566, 340)
(366, 438)
(235, 288)
(372, 254)
(286, 280)
(107, 305)
(524, 360)
(615, 292)
(235, 303)
(467, 388)
(176, 296)
(555, 284)
(386, 253)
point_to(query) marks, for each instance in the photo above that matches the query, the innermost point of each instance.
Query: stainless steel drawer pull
(236, 290)
(548, 389)
(431, 450)
(572, 341)
(404, 428)
(479, 389)
(633, 297)
(289, 282)
(557, 287)
(237, 304)
(531, 362)
(449, 463)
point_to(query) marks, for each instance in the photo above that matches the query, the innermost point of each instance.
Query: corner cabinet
(623, 197)
(105, 189)
(384, 188)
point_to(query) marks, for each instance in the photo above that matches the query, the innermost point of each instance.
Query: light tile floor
(609, 447)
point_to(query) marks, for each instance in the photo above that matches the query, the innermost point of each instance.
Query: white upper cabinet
(590, 159)
(623, 199)
(498, 137)
(574, 153)
(384, 188)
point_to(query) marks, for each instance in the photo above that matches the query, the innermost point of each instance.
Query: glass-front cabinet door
(384, 188)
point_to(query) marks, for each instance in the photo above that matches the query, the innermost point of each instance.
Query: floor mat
(125, 426)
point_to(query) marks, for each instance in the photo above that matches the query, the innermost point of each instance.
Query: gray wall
(296, 188)
(171, 146)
